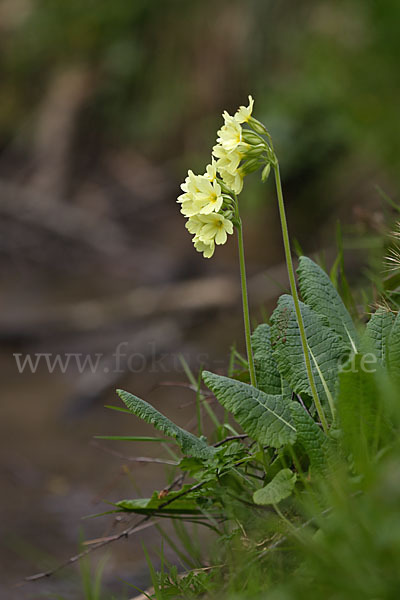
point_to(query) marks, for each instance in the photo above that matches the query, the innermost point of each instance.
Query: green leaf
(358, 405)
(265, 418)
(118, 408)
(155, 504)
(376, 335)
(320, 294)
(326, 348)
(267, 374)
(189, 443)
(276, 490)
(287, 391)
(311, 437)
(394, 350)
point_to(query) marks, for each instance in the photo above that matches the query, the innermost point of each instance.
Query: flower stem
(245, 301)
(293, 289)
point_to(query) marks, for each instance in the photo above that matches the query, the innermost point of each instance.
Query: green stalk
(293, 289)
(245, 302)
(198, 403)
(246, 317)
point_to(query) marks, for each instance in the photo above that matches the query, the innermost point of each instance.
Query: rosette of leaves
(279, 414)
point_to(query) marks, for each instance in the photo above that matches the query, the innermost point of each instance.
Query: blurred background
(103, 108)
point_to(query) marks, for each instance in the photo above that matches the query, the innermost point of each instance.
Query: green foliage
(311, 438)
(135, 44)
(267, 373)
(276, 490)
(324, 478)
(91, 579)
(178, 502)
(326, 348)
(264, 417)
(376, 334)
(359, 411)
(394, 350)
(351, 551)
(178, 587)
(320, 294)
(189, 443)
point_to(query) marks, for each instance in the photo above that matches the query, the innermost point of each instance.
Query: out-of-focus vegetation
(325, 73)
(150, 78)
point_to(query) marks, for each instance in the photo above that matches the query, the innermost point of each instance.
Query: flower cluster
(209, 201)
(231, 148)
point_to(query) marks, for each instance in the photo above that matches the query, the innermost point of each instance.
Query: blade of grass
(181, 555)
(153, 574)
(189, 374)
(198, 403)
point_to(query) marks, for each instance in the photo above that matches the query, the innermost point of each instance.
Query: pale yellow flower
(209, 196)
(211, 170)
(206, 248)
(228, 167)
(201, 194)
(243, 113)
(195, 223)
(190, 205)
(215, 229)
(230, 134)
(234, 180)
(188, 198)
(227, 160)
(190, 186)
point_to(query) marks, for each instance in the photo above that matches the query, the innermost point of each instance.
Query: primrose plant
(210, 202)
(315, 393)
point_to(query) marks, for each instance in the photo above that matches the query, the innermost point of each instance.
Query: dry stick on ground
(126, 532)
(122, 534)
(143, 524)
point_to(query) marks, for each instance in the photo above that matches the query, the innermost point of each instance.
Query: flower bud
(252, 138)
(255, 151)
(257, 126)
(249, 166)
(226, 190)
(265, 173)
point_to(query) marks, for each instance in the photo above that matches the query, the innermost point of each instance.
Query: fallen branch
(103, 542)
(143, 524)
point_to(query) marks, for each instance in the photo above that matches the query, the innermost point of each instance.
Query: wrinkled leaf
(327, 350)
(394, 350)
(376, 335)
(267, 374)
(319, 293)
(265, 418)
(311, 437)
(189, 443)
